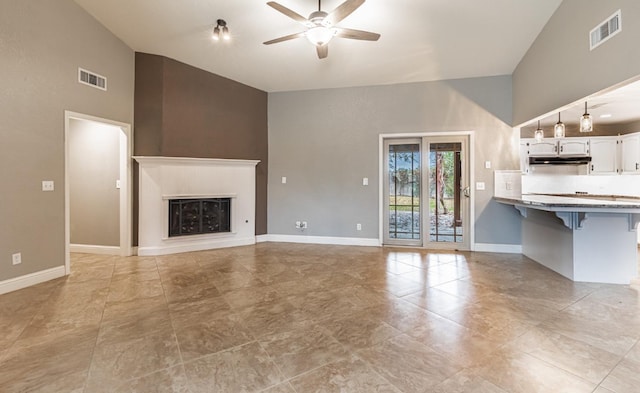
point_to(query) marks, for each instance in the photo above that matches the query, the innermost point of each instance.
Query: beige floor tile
(577, 357)
(115, 362)
(414, 318)
(246, 368)
(299, 351)
(52, 366)
(349, 375)
(359, 331)
(520, 372)
(466, 381)
(625, 377)
(211, 336)
(409, 365)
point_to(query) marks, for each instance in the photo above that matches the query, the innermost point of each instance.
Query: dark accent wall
(183, 111)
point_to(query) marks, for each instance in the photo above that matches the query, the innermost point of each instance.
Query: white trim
(472, 170)
(126, 183)
(198, 196)
(341, 241)
(209, 244)
(94, 249)
(499, 248)
(160, 160)
(262, 238)
(13, 284)
(134, 250)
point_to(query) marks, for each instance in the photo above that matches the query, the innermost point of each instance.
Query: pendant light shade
(586, 121)
(558, 129)
(539, 134)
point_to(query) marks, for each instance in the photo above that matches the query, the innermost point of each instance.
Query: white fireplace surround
(165, 178)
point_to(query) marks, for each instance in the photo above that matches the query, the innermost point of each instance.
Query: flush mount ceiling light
(558, 129)
(586, 121)
(221, 30)
(538, 134)
(321, 26)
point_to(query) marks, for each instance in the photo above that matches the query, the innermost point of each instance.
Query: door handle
(466, 192)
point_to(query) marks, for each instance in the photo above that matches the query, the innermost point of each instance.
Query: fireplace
(213, 199)
(199, 216)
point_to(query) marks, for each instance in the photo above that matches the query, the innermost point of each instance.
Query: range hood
(559, 160)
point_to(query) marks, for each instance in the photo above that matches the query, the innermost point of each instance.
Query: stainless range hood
(557, 160)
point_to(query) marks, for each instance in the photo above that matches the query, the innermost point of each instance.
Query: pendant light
(586, 121)
(538, 134)
(558, 129)
(221, 31)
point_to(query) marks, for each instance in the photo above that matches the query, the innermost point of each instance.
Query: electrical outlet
(304, 225)
(47, 185)
(358, 227)
(16, 258)
(298, 224)
(480, 185)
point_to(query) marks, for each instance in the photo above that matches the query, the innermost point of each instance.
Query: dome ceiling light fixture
(321, 26)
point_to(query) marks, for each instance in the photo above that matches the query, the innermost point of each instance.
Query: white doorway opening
(86, 139)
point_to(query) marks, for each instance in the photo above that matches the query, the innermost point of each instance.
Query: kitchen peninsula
(584, 238)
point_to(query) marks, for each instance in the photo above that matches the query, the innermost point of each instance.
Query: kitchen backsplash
(506, 184)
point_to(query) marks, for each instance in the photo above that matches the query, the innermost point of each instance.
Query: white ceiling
(421, 40)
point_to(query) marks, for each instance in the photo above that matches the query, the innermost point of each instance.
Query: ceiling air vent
(605, 30)
(92, 79)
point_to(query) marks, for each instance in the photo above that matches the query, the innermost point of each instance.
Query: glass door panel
(445, 223)
(402, 193)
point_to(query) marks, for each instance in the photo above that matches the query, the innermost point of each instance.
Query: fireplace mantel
(186, 177)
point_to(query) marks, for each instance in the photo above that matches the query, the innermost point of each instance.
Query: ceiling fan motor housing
(318, 18)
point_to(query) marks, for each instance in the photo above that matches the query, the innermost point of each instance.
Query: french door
(426, 194)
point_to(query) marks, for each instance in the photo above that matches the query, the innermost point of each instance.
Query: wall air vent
(92, 79)
(605, 30)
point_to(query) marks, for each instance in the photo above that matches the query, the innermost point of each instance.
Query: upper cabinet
(573, 147)
(544, 148)
(630, 153)
(604, 155)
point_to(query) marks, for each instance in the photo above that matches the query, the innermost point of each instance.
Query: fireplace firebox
(199, 216)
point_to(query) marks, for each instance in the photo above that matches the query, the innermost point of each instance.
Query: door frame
(381, 154)
(126, 182)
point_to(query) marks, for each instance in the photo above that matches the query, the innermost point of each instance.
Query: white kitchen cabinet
(604, 155)
(544, 148)
(524, 155)
(630, 153)
(573, 147)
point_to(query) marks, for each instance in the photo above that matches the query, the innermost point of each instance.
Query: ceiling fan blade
(323, 51)
(345, 9)
(284, 38)
(357, 34)
(291, 14)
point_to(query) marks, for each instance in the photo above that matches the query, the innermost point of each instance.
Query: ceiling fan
(321, 26)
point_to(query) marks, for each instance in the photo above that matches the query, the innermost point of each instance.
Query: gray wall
(559, 69)
(326, 141)
(94, 167)
(42, 44)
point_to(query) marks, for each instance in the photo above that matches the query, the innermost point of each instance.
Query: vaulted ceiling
(421, 40)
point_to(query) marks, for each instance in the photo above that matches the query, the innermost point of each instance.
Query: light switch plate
(284, 180)
(365, 181)
(480, 185)
(487, 164)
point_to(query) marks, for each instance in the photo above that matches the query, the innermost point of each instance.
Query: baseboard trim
(262, 238)
(13, 284)
(499, 248)
(340, 241)
(195, 246)
(93, 249)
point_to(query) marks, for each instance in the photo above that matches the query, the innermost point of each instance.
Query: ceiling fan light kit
(221, 31)
(321, 26)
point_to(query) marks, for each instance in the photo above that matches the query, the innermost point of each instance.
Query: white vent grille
(92, 79)
(606, 30)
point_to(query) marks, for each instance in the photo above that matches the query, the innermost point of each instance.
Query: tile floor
(293, 318)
